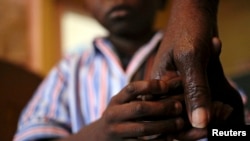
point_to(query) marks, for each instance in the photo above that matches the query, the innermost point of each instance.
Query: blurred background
(35, 34)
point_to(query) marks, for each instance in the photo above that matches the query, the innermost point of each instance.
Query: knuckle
(154, 85)
(108, 115)
(111, 130)
(139, 108)
(190, 52)
(186, 53)
(131, 88)
(193, 52)
(172, 107)
(141, 130)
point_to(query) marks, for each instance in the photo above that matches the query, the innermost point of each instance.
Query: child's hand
(127, 117)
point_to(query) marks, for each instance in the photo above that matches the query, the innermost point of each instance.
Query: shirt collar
(104, 46)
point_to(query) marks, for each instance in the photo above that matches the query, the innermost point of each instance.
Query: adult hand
(186, 49)
(226, 105)
(220, 114)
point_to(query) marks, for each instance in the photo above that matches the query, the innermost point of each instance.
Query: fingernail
(199, 118)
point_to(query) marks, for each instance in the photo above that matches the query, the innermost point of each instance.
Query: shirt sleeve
(47, 115)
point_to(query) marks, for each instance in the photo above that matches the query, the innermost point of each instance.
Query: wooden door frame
(44, 34)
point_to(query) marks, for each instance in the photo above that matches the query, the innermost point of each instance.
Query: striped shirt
(78, 89)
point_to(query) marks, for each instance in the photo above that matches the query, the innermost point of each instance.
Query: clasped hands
(156, 109)
(161, 112)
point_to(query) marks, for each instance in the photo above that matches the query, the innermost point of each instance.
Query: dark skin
(124, 118)
(187, 50)
(123, 19)
(226, 107)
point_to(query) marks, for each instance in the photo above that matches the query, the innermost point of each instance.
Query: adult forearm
(186, 48)
(195, 18)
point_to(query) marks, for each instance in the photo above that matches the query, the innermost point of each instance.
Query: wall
(234, 28)
(13, 31)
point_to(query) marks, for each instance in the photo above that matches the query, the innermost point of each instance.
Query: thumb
(192, 66)
(197, 98)
(197, 95)
(197, 91)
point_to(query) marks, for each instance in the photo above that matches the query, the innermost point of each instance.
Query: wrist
(200, 5)
(195, 12)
